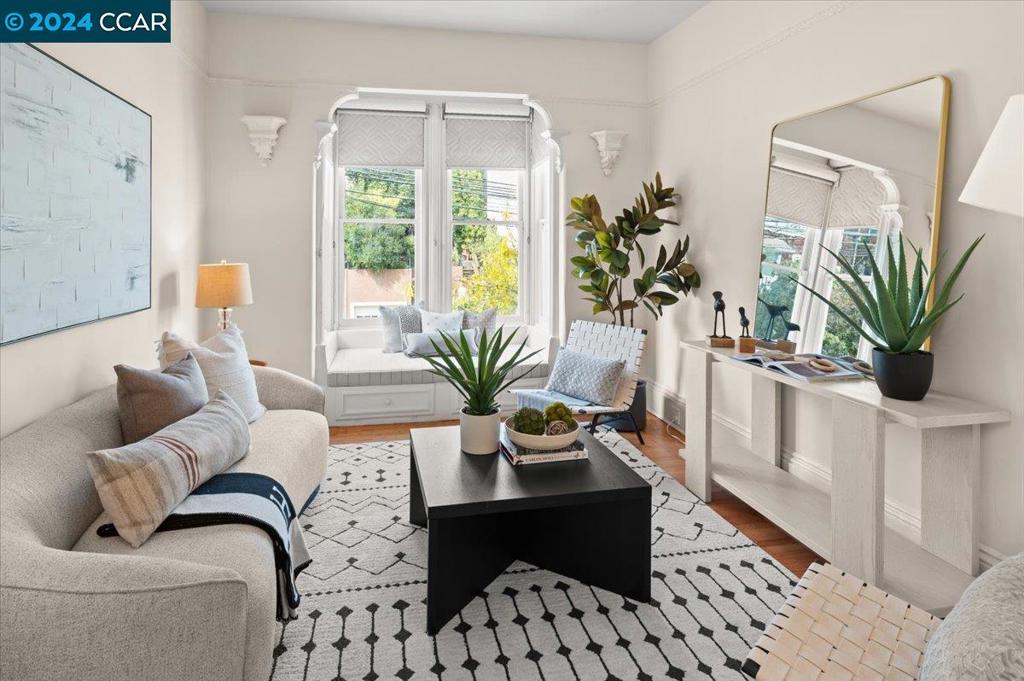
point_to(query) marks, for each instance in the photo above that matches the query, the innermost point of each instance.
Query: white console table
(847, 527)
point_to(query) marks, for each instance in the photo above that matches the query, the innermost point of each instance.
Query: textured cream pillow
(225, 365)
(150, 400)
(142, 483)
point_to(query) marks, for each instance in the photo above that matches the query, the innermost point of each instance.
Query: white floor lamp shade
(997, 181)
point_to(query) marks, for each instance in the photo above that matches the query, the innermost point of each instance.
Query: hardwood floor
(661, 448)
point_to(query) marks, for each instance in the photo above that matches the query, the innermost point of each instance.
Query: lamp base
(224, 318)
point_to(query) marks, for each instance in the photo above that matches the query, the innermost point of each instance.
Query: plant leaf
(894, 332)
(902, 287)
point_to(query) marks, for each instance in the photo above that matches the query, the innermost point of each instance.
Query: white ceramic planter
(479, 433)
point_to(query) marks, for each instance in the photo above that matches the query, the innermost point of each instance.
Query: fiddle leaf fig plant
(897, 316)
(606, 265)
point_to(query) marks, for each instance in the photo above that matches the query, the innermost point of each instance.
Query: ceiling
(631, 21)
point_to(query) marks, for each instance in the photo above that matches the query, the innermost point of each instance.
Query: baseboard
(670, 406)
(988, 556)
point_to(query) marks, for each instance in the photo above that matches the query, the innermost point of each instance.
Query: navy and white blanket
(250, 499)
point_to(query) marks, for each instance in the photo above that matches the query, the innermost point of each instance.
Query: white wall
(297, 68)
(168, 82)
(723, 78)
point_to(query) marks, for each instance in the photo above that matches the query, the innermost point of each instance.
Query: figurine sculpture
(719, 310)
(790, 327)
(774, 312)
(744, 323)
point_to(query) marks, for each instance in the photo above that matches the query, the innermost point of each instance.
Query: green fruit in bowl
(557, 411)
(529, 421)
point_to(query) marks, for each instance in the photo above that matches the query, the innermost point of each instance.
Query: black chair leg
(636, 428)
(593, 423)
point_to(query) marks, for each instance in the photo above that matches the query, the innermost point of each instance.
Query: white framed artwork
(75, 198)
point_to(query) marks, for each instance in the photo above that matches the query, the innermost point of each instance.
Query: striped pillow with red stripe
(141, 483)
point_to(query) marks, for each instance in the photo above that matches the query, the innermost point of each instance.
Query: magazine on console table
(523, 456)
(810, 367)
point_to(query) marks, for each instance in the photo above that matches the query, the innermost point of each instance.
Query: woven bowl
(541, 442)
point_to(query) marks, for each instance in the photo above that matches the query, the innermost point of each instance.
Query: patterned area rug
(363, 614)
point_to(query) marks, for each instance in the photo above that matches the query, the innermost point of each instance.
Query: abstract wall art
(75, 198)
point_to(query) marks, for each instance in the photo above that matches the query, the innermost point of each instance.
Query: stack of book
(523, 456)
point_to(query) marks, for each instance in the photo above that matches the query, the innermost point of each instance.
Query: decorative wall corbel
(609, 144)
(263, 135)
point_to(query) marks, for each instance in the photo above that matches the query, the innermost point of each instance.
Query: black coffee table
(590, 520)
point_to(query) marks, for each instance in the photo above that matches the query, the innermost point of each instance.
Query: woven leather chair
(600, 340)
(836, 627)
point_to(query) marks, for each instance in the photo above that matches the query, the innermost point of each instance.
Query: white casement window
(431, 208)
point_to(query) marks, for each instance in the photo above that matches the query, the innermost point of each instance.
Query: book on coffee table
(521, 456)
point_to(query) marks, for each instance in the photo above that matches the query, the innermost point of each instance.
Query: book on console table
(524, 456)
(802, 367)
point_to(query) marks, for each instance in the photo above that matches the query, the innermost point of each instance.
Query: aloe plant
(608, 248)
(897, 317)
(479, 378)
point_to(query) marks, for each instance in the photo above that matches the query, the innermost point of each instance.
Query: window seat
(370, 366)
(365, 385)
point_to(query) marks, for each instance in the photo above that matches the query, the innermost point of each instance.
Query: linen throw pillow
(225, 365)
(399, 320)
(484, 321)
(141, 484)
(449, 322)
(585, 377)
(419, 344)
(150, 400)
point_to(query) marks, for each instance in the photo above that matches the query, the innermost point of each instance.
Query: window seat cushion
(353, 367)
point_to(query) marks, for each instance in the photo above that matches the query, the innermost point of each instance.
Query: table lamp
(997, 181)
(224, 285)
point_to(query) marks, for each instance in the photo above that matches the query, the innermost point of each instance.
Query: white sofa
(196, 604)
(365, 385)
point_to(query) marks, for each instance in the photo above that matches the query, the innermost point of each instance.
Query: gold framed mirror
(848, 179)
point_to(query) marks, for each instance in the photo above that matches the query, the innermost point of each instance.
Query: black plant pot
(903, 377)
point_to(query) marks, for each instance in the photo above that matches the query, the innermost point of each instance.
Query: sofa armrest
(281, 390)
(89, 617)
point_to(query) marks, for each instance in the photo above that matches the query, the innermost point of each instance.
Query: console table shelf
(847, 525)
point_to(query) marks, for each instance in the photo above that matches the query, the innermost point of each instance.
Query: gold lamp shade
(224, 285)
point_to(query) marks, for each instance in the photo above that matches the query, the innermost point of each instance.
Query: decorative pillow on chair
(150, 400)
(449, 322)
(585, 377)
(484, 321)
(141, 484)
(420, 345)
(225, 365)
(399, 320)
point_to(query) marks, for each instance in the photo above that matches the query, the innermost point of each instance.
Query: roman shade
(380, 139)
(482, 142)
(857, 200)
(797, 198)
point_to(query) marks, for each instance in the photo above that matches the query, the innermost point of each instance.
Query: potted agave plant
(897, 318)
(480, 375)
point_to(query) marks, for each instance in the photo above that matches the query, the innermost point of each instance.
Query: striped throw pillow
(140, 484)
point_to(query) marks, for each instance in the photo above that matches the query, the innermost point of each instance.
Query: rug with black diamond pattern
(363, 613)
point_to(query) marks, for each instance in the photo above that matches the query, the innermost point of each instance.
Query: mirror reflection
(845, 180)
